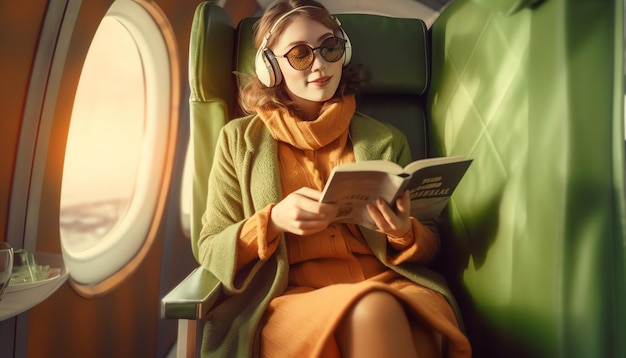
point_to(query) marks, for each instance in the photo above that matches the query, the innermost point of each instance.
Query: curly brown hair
(254, 95)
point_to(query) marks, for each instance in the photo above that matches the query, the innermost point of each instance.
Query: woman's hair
(253, 94)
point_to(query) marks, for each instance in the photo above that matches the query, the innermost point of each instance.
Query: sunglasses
(301, 57)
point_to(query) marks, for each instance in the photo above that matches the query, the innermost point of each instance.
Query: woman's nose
(318, 61)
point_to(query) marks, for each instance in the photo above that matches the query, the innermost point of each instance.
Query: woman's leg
(377, 326)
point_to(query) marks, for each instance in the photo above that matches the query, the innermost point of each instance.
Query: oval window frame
(99, 269)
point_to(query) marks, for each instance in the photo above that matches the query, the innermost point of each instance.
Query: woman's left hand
(395, 223)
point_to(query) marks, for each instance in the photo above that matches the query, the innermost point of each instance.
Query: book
(430, 182)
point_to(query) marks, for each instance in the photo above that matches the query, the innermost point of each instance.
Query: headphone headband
(266, 66)
(283, 17)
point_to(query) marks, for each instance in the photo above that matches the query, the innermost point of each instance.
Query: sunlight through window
(120, 147)
(104, 141)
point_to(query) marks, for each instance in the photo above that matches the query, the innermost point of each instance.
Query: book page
(371, 165)
(353, 190)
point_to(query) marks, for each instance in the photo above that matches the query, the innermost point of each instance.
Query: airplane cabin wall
(126, 321)
(18, 43)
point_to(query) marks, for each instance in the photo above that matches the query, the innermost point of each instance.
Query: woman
(298, 284)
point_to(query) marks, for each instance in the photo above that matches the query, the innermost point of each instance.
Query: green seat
(534, 237)
(535, 245)
(396, 70)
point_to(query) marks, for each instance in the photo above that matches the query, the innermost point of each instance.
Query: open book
(430, 182)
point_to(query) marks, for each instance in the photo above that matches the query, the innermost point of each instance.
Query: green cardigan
(244, 179)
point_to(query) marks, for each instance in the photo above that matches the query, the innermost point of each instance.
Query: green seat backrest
(212, 97)
(535, 245)
(395, 59)
(393, 52)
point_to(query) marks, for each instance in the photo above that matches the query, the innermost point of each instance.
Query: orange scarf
(308, 150)
(333, 121)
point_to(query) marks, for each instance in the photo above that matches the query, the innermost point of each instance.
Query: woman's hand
(301, 213)
(395, 223)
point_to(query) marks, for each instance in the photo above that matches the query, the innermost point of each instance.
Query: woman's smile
(321, 81)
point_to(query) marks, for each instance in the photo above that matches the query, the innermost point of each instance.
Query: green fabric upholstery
(535, 245)
(212, 96)
(396, 72)
(507, 7)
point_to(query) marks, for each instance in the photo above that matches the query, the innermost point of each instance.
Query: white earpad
(263, 69)
(267, 69)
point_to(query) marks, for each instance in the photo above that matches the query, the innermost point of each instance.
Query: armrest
(193, 297)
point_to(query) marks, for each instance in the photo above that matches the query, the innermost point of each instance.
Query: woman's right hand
(301, 213)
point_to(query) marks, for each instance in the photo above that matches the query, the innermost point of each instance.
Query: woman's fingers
(301, 212)
(389, 221)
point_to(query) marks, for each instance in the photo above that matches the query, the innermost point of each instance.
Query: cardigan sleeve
(253, 243)
(419, 245)
(227, 217)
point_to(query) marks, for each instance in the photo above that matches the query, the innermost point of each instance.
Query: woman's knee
(376, 326)
(378, 307)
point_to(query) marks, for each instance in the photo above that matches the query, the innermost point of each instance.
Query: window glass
(104, 141)
(120, 146)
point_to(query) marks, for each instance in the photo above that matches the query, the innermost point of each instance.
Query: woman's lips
(322, 81)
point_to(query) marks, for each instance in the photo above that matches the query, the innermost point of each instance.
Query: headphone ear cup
(347, 56)
(266, 67)
(277, 74)
(263, 69)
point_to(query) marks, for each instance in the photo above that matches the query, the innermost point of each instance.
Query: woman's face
(317, 83)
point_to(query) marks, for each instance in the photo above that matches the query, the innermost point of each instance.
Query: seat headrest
(397, 60)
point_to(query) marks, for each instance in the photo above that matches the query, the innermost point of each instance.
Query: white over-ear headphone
(266, 66)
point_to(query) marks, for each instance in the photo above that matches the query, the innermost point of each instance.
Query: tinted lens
(332, 49)
(300, 57)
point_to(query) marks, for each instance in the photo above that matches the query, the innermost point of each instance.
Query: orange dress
(329, 271)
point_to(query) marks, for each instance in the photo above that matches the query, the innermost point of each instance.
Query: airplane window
(117, 146)
(104, 140)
